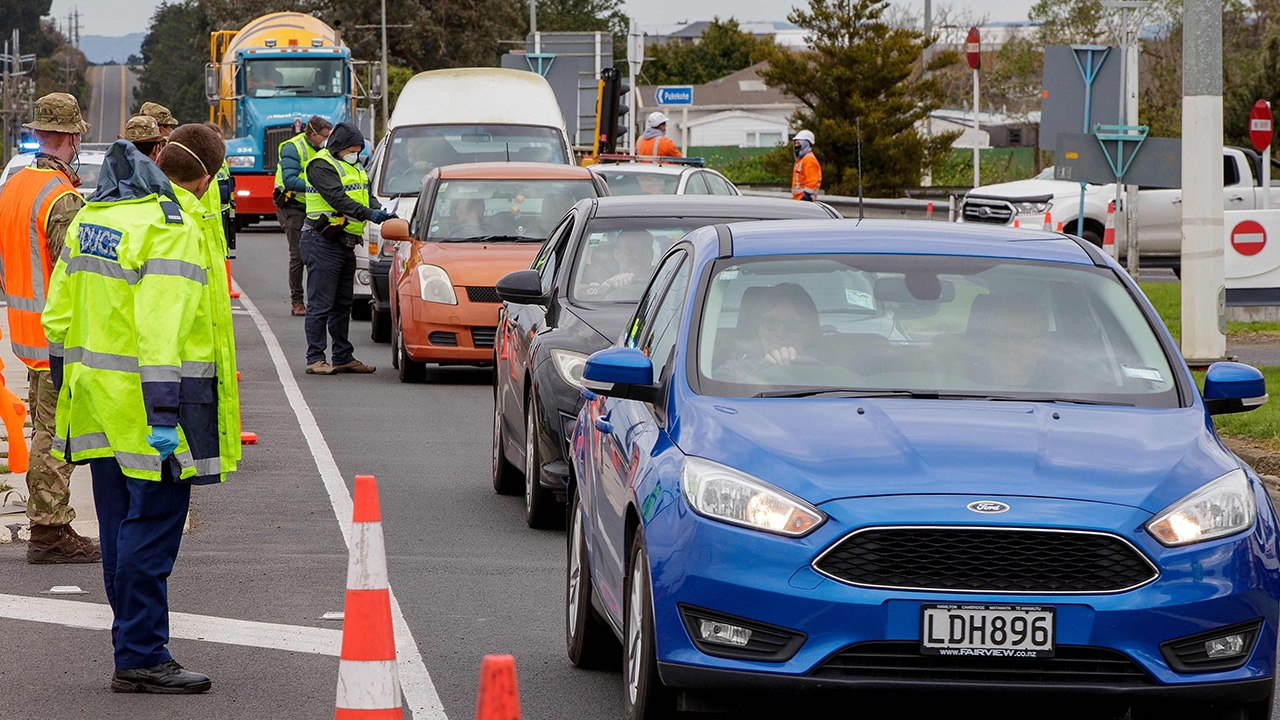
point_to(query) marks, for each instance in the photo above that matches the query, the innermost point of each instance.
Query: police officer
(152, 405)
(806, 176)
(161, 115)
(36, 206)
(144, 133)
(291, 196)
(337, 209)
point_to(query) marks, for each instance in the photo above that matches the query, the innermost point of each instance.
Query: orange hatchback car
(472, 224)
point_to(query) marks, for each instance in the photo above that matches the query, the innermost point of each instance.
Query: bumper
(253, 194)
(698, 562)
(461, 333)
(558, 406)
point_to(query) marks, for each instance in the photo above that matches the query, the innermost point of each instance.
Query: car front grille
(994, 212)
(1071, 665)
(986, 559)
(483, 294)
(271, 139)
(482, 337)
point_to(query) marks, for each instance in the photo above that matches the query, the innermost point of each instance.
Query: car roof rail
(624, 158)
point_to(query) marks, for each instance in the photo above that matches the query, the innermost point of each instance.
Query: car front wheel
(591, 644)
(540, 507)
(644, 696)
(411, 371)
(505, 479)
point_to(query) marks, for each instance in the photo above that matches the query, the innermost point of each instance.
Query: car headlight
(434, 285)
(1033, 208)
(240, 161)
(1223, 507)
(724, 494)
(570, 365)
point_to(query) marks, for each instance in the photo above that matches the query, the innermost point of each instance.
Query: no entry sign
(1248, 238)
(973, 49)
(1260, 125)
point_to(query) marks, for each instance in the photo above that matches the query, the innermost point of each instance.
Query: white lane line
(249, 633)
(415, 682)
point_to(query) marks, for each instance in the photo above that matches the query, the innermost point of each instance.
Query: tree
(723, 48)
(23, 16)
(175, 51)
(862, 71)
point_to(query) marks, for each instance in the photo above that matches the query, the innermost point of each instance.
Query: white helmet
(804, 135)
(656, 119)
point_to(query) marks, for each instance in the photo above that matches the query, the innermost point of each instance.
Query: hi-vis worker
(806, 177)
(337, 209)
(221, 200)
(143, 352)
(654, 143)
(291, 197)
(36, 206)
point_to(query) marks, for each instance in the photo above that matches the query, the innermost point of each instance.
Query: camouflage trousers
(48, 480)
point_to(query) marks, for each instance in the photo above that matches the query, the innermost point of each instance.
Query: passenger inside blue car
(1018, 330)
(777, 326)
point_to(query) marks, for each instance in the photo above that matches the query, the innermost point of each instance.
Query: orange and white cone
(1016, 223)
(246, 437)
(499, 697)
(1109, 233)
(1059, 226)
(1048, 221)
(928, 212)
(368, 680)
(231, 288)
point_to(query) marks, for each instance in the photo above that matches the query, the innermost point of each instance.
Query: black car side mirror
(523, 287)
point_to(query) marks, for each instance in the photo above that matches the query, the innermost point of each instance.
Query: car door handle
(1236, 198)
(1177, 201)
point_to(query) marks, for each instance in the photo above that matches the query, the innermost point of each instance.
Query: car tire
(541, 510)
(644, 697)
(590, 642)
(360, 309)
(410, 370)
(506, 480)
(395, 344)
(379, 325)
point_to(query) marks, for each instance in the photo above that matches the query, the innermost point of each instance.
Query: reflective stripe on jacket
(140, 334)
(355, 183)
(25, 265)
(806, 177)
(217, 200)
(299, 142)
(661, 146)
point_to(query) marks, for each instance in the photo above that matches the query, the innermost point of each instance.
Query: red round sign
(1248, 238)
(973, 49)
(1260, 125)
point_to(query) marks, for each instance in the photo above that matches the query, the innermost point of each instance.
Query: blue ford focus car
(830, 455)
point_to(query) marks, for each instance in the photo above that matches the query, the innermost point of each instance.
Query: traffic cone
(499, 698)
(928, 213)
(368, 680)
(246, 438)
(1016, 223)
(1059, 226)
(1109, 233)
(1048, 221)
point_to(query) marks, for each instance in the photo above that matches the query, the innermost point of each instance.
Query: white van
(451, 117)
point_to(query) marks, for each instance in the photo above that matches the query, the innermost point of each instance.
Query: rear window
(639, 183)
(415, 150)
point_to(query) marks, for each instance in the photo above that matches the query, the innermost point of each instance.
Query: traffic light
(611, 111)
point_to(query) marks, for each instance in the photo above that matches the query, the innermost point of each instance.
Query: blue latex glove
(164, 440)
(381, 216)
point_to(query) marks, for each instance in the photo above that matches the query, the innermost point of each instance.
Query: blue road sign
(674, 95)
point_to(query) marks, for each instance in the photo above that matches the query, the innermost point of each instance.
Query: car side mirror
(621, 372)
(396, 230)
(1233, 388)
(522, 287)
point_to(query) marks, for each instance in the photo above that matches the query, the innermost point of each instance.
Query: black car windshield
(502, 210)
(289, 78)
(928, 326)
(415, 150)
(639, 183)
(617, 255)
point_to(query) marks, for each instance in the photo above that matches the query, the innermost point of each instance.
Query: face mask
(795, 150)
(350, 158)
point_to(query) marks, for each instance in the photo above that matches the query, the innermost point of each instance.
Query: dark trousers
(291, 220)
(331, 268)
(140, 527)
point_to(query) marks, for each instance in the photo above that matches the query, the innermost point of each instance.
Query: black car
(584, 285)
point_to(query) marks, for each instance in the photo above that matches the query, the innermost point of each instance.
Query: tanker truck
(265, 80)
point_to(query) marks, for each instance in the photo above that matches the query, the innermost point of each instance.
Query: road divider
(499, 697)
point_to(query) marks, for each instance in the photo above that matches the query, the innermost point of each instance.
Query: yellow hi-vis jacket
(355, 182)
(140, 335)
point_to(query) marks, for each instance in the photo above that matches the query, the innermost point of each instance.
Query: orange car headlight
(434, 285)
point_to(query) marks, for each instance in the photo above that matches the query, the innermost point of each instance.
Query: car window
(972, 327)
(419, 221)
(616, 256)
(415, 150)
(639, 183)
(471, 210)
(548, 259)
(645, 310)
(696, 185)
(666, 321)
(718, 185)
(1230, 173)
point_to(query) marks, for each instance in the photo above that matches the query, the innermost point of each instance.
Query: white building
(735, 110)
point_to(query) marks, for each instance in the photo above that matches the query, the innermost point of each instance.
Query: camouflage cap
(159, 112)
(58, 112)
(141, 128)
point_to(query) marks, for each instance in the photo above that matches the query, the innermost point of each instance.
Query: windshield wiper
(848, 393)
(1047, 399)
(505, 238)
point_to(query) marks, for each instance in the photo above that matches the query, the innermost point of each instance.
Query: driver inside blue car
(778, 326)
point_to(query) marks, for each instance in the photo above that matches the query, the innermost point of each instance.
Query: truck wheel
(360, 309)
(1092, 237)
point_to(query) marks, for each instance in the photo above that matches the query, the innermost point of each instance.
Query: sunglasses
(771, 323)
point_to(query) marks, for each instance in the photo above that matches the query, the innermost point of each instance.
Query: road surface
(111, 102)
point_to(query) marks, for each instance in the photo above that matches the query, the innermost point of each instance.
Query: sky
(122, 17)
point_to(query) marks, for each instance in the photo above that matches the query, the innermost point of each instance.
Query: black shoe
(166, 679)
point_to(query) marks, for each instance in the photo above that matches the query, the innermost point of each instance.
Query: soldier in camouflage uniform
(58, 127)
(144, 133)
(162, 116)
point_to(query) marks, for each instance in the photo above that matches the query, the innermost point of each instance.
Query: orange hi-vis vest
(806, 177)
(25, 204)
(661, 146)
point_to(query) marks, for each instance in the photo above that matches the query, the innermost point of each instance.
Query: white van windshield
(415, 150)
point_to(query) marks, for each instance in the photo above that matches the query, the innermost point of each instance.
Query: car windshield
(640, 183)
(289, 78)
(88, 172)
(617, 255)
(932, 326)
(1045, 174)
(502, 210)
(415, 150)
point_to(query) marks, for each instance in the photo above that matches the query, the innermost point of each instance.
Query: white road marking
(415, 682)
(249, 633)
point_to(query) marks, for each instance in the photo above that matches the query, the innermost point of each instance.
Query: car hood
(607, 319)
(824, 449)
(478, 264)
(1031, 188)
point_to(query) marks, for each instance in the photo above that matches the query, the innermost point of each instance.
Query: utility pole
(533, 17)
(1131, 15)
(1203, 285)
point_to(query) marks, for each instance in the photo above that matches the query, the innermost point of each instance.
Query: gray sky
(121, 17)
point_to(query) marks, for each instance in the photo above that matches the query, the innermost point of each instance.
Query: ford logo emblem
(988, 507)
